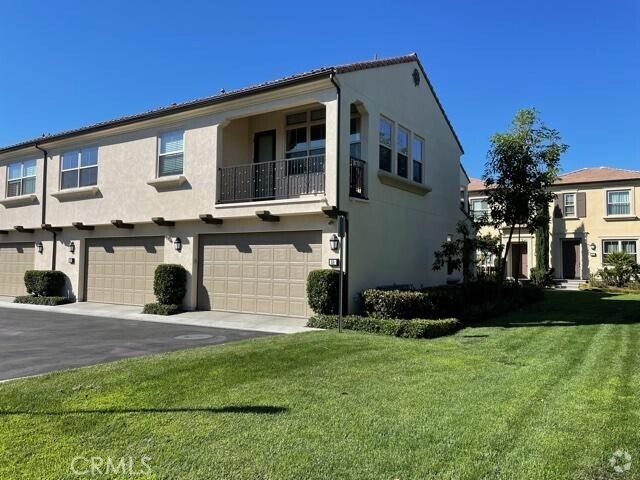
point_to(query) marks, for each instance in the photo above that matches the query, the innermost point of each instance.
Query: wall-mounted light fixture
(334, 242)
(39, 247)
(72, 248)
(592, 246)
(177, 244)
(449, 238)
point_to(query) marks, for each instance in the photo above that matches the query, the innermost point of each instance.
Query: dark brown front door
(519, 262)
(264, 153)
(571, 258)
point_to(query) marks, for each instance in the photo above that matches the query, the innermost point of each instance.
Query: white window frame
(619, 242)
(21, 179)
(472, 211)
(423, 143)
(390, 146)
(79, 167)
(307, 124)
(631, 192)
(407, 132)
(159, 150)
(573, 195)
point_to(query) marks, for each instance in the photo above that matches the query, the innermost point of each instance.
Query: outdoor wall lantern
(40, 247)
(72, 248)
(334, 243)
(592, 246)
(177, 244)
(449, 238)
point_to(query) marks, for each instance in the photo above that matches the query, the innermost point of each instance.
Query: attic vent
(416, 77)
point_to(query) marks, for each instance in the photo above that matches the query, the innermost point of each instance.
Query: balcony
(272, 180)
(358, 178)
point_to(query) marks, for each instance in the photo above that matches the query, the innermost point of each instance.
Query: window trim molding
(632, 209)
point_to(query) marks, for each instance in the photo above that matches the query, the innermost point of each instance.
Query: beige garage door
(15, 259)
(258, 272)
(121, 270)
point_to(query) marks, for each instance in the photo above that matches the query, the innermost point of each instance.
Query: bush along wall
(322, 291)
(416, 328)
(44, 288)
(169, 287)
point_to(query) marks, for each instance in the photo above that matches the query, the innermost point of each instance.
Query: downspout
(44, 203)
(345, 296)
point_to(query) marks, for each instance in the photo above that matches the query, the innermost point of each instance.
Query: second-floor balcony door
(263, 158)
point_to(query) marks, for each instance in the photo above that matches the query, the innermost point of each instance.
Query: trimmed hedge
(416, 328)
(469, 303)
(170, 283)
(44, 283)
(161, 309)
(322, 291)
(51, 301)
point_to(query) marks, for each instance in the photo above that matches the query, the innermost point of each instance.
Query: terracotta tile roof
(582, 175)
(230, 95)
(597, 174)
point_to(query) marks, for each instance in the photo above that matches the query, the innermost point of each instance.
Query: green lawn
(548, 392)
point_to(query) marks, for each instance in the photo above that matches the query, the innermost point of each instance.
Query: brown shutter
(581, 207)
(557, 208)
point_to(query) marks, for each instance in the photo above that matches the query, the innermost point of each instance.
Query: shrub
(161, 309)
(322, 291)
(620, 267)
(417, 328)
(169, 283)
(542, 277)
(44, 283)
(402, 304)
(51, 301)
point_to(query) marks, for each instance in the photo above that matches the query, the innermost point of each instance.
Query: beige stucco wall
(395, 232)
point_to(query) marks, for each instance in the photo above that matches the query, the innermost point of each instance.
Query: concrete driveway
(34, 342)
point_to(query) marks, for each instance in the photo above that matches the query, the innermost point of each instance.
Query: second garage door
(258, 272)
(120, 270)
(15, 259)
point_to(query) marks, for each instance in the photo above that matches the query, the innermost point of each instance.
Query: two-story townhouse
(594, 214)
(243, 189)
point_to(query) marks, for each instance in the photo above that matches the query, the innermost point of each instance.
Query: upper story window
(417, 154)
(618, 202)
(21, 178)
(306, 134)
(79, 168)
(386, 138)
(355, 145)
(569, 204)
(171, 153)
(479, 208)
(627, 246)
(403, 152)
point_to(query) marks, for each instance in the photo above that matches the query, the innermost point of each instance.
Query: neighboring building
(242, 189)
(594, 214)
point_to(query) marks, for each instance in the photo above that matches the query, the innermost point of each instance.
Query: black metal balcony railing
(278, 179)
(357, 178)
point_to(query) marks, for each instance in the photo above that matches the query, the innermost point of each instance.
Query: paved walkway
(237, 321)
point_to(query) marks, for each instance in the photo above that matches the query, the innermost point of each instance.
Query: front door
(571, 258)
(519, 256)
(264, 154)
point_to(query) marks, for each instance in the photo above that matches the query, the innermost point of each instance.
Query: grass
(549, 392)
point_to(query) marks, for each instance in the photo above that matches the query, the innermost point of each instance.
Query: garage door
(258, 272)
(15, 259)
(120, 270)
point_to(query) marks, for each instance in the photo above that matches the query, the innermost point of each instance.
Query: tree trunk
(503, 262)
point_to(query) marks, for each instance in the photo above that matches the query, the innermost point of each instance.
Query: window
(612, 246)
(417, 153)
(21, 178)
(569, 204)
(171, 153)
(307, 139)
(619, 202)
(355, 148)
(479, 208)
(463, 198)
(79, 168)
(402, 152)
(386, 136)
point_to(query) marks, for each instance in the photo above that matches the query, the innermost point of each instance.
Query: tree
(459, 253)
(521, 165)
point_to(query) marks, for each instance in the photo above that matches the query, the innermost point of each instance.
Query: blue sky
(65, 64)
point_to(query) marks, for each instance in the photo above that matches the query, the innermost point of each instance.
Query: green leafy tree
(522, 164)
